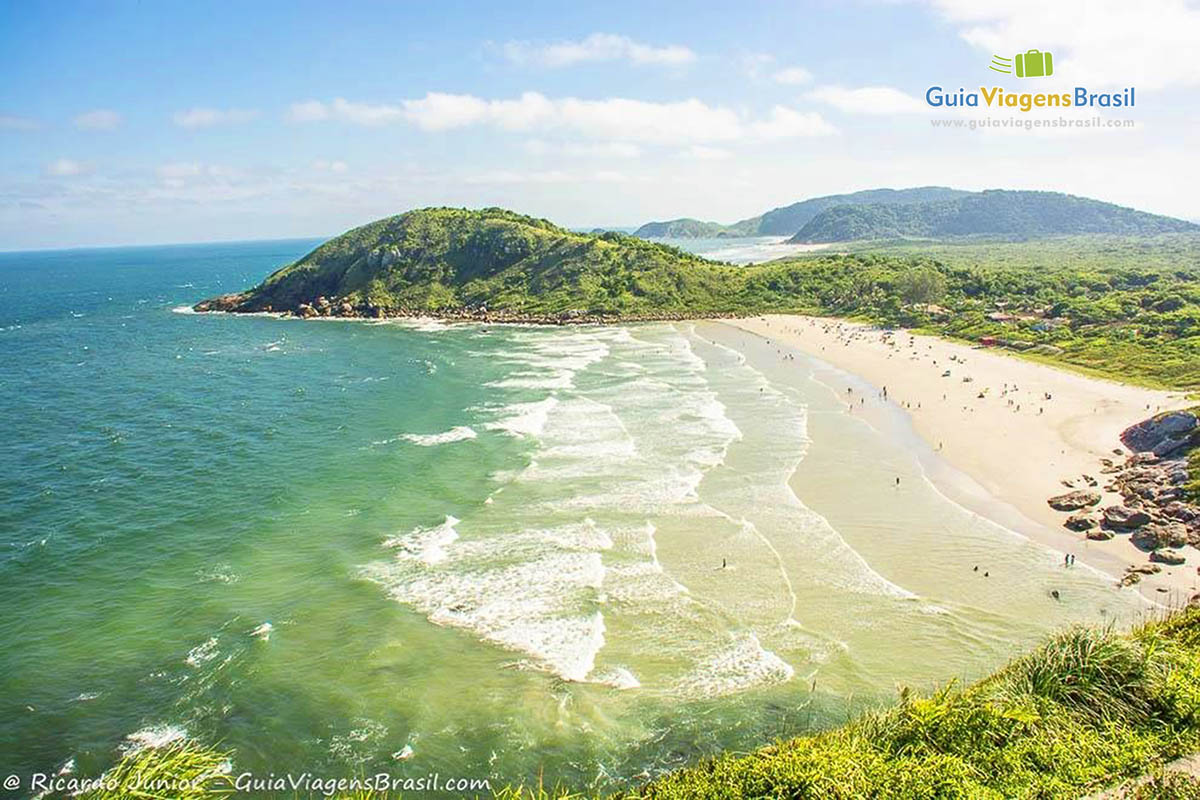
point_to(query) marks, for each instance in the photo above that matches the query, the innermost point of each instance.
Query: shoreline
(977, 454)
(322, 308)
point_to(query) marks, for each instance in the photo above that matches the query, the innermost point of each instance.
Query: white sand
(1015, 443)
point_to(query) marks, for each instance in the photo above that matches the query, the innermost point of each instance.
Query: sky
(156, 122)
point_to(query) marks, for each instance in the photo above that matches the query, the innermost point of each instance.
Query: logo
(1030, 64)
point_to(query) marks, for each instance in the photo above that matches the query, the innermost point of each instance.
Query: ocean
(580, 555)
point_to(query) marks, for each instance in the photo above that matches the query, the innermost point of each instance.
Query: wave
(458, 433)
(744, 663)
(202, 653)
(524, 419)
(524, 606)
(427, 545)
(152, 738)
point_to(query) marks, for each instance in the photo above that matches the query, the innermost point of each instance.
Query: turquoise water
(346, 547)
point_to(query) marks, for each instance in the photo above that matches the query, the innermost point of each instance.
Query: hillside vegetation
(1132, 311)
(685, 228)
(442, 259)
(786, 220)
(989, 213)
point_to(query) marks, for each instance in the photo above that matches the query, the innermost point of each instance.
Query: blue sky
(159, 122)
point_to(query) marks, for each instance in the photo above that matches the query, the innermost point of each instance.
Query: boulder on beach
(1099, 534)
(1080, 522)
(1074, 501)
(1160, 534)
(1173, 557)
(1124, 518)
(1162, 434)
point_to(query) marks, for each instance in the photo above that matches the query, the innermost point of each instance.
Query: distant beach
(1020, 430)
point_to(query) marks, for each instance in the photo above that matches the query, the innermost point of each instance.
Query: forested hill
(1009, 214)
(1125, 308)
(684, 228)
(785, 221)
(443, 260)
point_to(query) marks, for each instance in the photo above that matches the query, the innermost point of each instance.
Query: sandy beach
(1020, 431)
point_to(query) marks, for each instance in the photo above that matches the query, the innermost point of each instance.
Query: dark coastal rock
(1173, 557)
(224, 302)
(1158, 535)
(1161, 435)
(1181, 511)
(1099, 534)
(1124, 518)
(1080, 522)
(1074, 501)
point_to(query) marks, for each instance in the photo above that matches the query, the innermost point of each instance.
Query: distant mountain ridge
(787, 220)
(995, 212)
(930, 212)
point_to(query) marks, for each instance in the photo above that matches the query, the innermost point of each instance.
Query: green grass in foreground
(1088, 709)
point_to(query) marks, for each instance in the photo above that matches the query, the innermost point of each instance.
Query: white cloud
(178, 170)
(701, 152)
(792, 76)
(753, 65)
(787, 123)
(868, 100)
(66, 168)
(597, 47)
(14, 123)
(100, 119)
(337, 167)
(554, 176)
(614, 119)
(208, 117)
(538, 147)
(308, 111)
(181, 173)
(1149, 44)
(341, 109)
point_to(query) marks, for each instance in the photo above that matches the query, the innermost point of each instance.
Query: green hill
(442, 260)
(683, 228)
(1130, 311)
(1009, 214)
(786, 220)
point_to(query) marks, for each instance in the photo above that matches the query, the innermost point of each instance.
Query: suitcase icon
(1034, 64)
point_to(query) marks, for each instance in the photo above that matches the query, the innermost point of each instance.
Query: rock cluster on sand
(1074, 501)
(1155, 509)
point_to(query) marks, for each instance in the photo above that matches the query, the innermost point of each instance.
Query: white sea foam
(202, 653)
(524, 419)
(153, 737)
(618, 678)
(263, 631)
(741, 665)
(523, 606)
(458, 433)
(426, 545)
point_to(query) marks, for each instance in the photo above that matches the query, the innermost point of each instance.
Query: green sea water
(580, 555)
